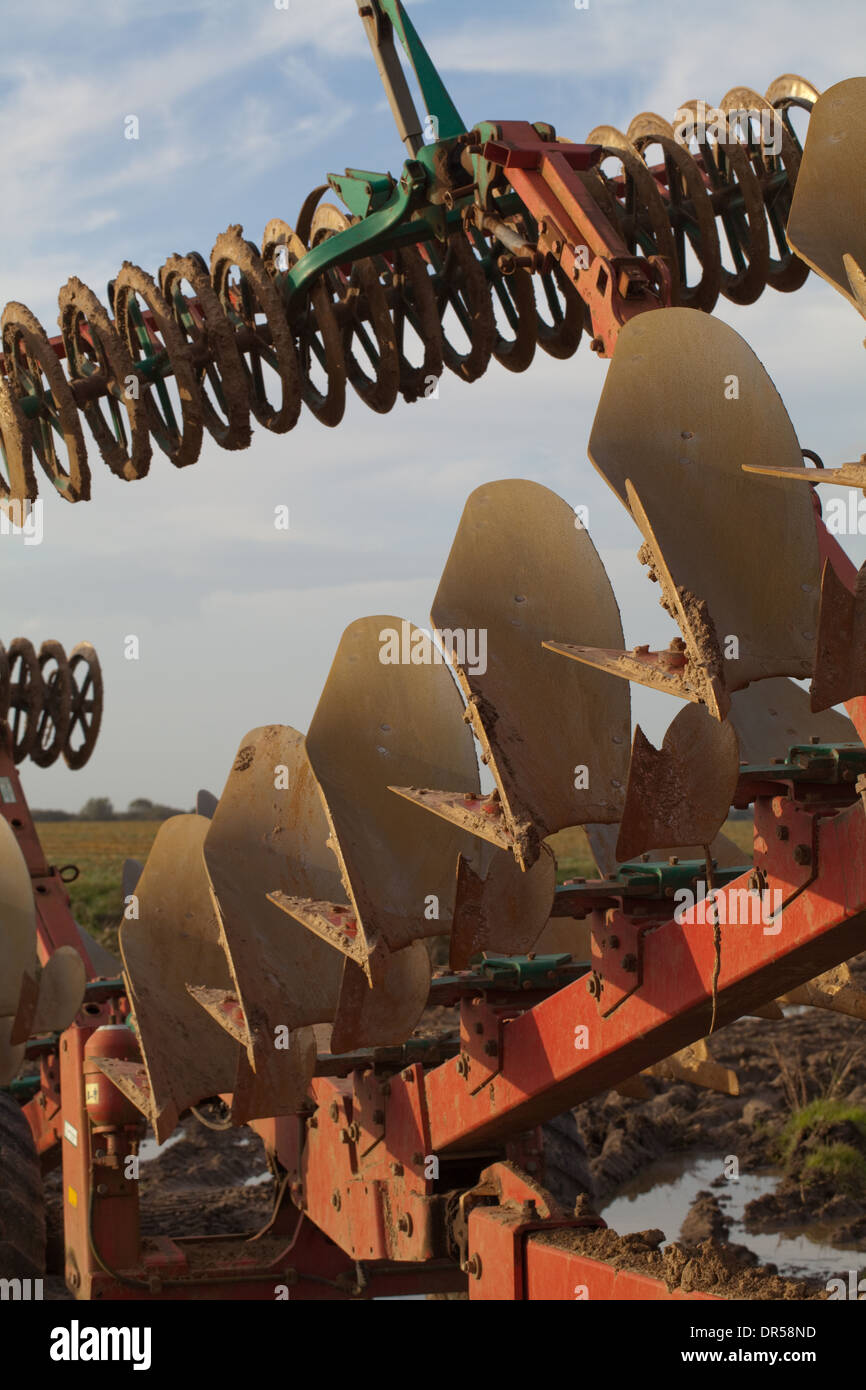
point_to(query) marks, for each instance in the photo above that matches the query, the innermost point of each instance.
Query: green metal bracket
(391, 225)
(362, 191)
(825, 763)
(24, 1088)
(659, 881)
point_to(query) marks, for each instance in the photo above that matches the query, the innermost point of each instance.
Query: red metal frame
(373, 1173)
(384, 1170)
(615, 285)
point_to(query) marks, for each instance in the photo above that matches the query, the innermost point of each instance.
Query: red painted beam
(564, 1050)
(55, 925)
(556, 1274)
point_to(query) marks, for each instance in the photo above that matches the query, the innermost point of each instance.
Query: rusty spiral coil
(224, 334)
(50, 703)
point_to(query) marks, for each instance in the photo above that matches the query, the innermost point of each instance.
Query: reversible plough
(279, 944)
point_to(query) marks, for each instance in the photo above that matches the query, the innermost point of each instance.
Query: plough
(278, 946)
(493, 241)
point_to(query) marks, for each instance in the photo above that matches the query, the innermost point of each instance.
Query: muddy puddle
(662, 1194)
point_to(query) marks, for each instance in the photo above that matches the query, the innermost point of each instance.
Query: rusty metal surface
(771, 716)
(11, 1054)
(479, 814)
(268, 833)
(61, 991)
(378, 725)
(175, 942)
(846, 475)
(828, 213)
(565, 934)
(840, 657)
(17, 922)
(522, 570)
(680, 793)
(386, 1007)
(675, 461)
(834, 990)
(694, 1064)
(498, 907)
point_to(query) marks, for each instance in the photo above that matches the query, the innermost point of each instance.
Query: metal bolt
(629, 962)
(473, 1267)
(593, 985)
(782, 832)
(404, 1224)
(333, 1111)
(344, 1136)
(491, 1048)
(463, 1065)
(613, 942)
(397, 1169)
(802, 854)
(336, 1201)
(102, 1188)
(407, 1075)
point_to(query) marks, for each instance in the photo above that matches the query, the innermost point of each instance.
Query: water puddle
(258, 1179)
(149, 1149)
(661, 1195)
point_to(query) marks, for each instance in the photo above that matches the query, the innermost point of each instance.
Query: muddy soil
(609, 1140)
(707, 1266)
(198, 1185)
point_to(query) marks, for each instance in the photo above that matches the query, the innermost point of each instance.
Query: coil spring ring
(223, 332)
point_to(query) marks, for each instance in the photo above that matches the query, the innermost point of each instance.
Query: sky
(243, 108)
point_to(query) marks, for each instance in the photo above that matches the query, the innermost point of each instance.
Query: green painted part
(376, 232)
(361, 191)
(642, 880)
(521, 972)
(813, 762)
(24, 1088)
(437, 100)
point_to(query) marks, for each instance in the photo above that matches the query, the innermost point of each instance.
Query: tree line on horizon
(99, 808)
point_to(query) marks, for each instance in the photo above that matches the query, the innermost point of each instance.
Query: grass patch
(808, 1151)
(99, 849)
(839, 1164)
(821, 1114)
